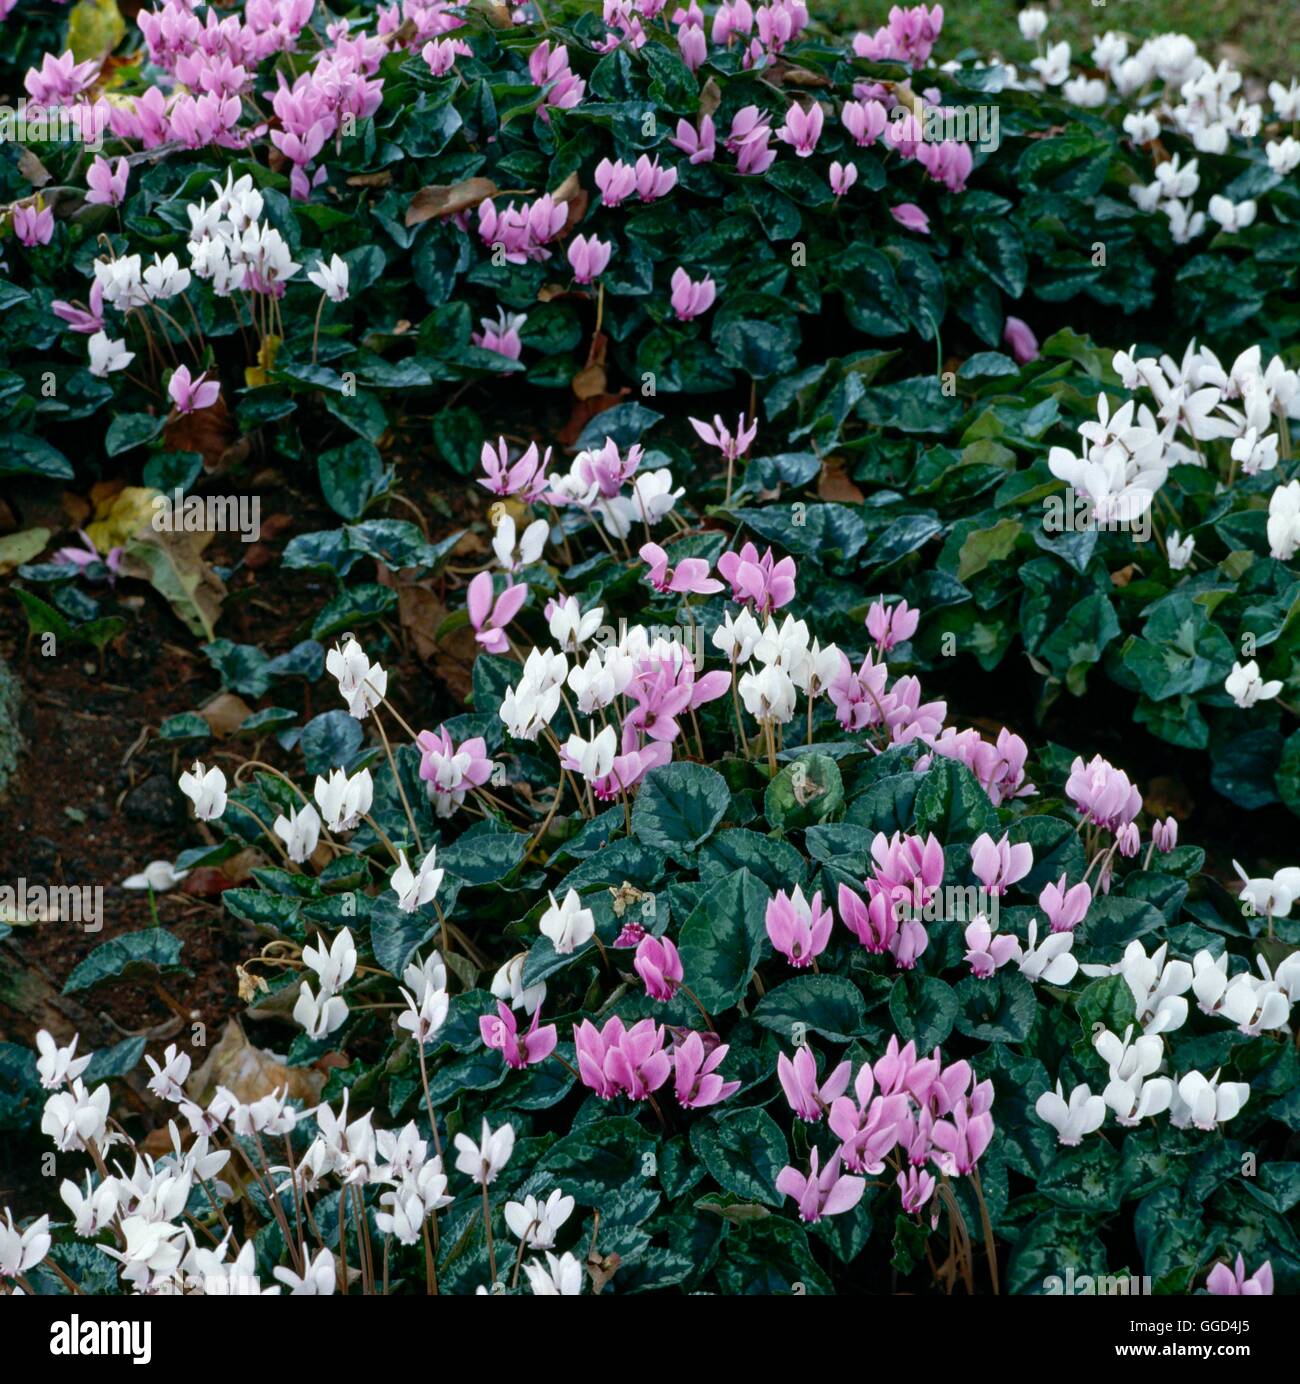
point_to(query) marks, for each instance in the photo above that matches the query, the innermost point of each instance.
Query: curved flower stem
(265, 768)
(487, 1228)
(270, 836)
(315, 331)
(401, 792)
(428, 1100)
(545, 827)
(564, 1062)
(735, 702)
(430, 1267)
(990, 1248)
(343, 1239)
(379, 832)
(695, 1000)
(519, 1258)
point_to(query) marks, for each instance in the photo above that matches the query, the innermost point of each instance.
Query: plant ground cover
(715, 728)
(1263, 42)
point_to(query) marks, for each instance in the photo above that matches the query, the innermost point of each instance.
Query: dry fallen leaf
(445, 199)
(568, 189)
(21, 547)
(225, 713)
(783, 74)
(33, 169)
(173, 564)
(834, 483)
(590, 382)
(420, 613)
(249, 1073)
(208, 431)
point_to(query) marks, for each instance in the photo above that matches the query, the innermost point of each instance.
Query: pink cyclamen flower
(191, 395)
(659, 965)
(749, 125)
(525, 477)
(1226, 1282)
(911, 218)
(824, 1192)
(1065, 908)
(909, 866)
(549, 67)
(802, 128)
(762, 581)
(891, 625)
(698, 146)
(502, 1034)
(652, 181)
(489, 617)
(998, 864)
(614, 1059)
(964, 1136)
(691, 297)
(588, 257)
(616, 181)
(987, 949)
(85, 556)
(900, 1069)
(798, 1080)
(697, 1083)
(33, 225)
(947, 163)
(689, 577)
(915, 1188)
(1129, 840)
(798, 930)
(608, 469)
(79, 319)
(630, 935)
(1165, 834)
(864, 120)
(734, 18)
(693, 45)
(1023, 343)
(731, 447)
(501, 336)
(1102, 793)
(449, 771)
(748, 141)
(873, 923)
(867, 1124)
(842, 177)
(1000, 768)
(107, 182)
(58, 80)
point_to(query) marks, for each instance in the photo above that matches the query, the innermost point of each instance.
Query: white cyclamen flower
(55, 1065)
(568, 925)
(1082, 1114)
(343, 801)
(534, 1222)
(21, 1250)
(206, 789)
(158, 875)
(415, 889)
(484, 1160)
(560, 1277)
(331, 278)
(300, 832)
(1245, 686)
